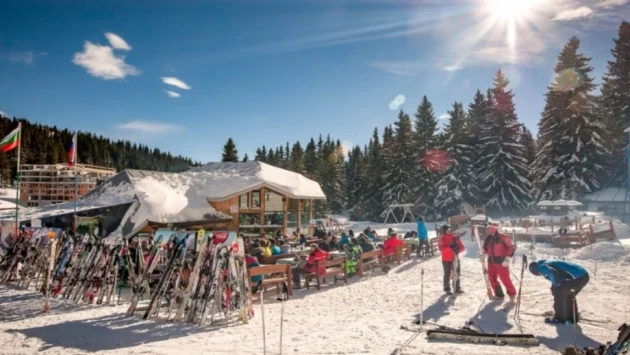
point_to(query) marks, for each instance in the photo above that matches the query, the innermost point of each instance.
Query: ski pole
(517, 310)
(574, 305)
(285, 296)
(262, 314)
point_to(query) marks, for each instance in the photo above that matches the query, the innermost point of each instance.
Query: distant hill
(48, 145)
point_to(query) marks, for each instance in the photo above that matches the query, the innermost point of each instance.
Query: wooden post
(262, 209)
(299, 216)
(612, 229)
(310, 211)
(286, 215)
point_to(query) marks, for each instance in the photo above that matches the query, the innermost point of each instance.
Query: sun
(511, 10)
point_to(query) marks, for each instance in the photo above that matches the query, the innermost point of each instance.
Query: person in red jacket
(499, 250)
(450, 246)
(316, 255)
(390, 245)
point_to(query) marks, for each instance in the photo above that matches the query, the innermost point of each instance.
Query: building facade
(42, 185)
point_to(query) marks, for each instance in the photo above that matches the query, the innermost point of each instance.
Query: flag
(11, 141)
(72, 152)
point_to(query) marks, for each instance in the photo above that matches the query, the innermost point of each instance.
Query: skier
(564, 276)
(450, 246)
(423, 236)
(499, 250)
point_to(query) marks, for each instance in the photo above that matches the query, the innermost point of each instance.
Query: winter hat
(420, 219)
(533, 268)
(446, 227)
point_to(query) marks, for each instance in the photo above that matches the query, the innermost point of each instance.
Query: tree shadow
(408, 265)
(565, 336)
(108, 333)
(18, 307)
(437, 310)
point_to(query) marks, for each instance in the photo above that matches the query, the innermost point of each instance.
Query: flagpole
(76, 161)
(17, 185)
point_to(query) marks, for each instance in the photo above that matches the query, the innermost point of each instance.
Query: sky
(185, 75)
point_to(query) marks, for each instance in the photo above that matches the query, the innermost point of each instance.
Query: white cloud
(117, 42)
(145, 127)
(3, 114)
(398, 101)
(573, 14)
(169, 80)
(172, 94)
(101, 62)
(453, 67)
(612, 3)
(444, 116)
(405, 68)
(22, 57)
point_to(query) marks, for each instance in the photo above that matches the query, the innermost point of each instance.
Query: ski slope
(363, 317)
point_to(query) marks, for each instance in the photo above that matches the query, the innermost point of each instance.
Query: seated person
(353, 253)
(275, 249)
(266, 247)
(390, 245)
(284, 248)
(252, 261)
(334, 243)
(345, 240)
(366, 244)
(315, 255)
(302, 240)
(319, 233)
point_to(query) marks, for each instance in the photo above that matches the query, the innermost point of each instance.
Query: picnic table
(289, 261)
(412, 241)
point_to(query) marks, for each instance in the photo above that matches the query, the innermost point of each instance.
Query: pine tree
(245, 158)
(457, 184)
(615, 102)
(356, 173)
(528, 142)
(310, 159)
(230, 154)
(297, 158)
(400, 171)
(504, 165)
(571, 150)
(478, 112)
(425, 141)
(371, 202)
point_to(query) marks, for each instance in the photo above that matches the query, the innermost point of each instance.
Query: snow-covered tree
(425, 140)
(297, 158)
(615, 100)
(457, 183)
(503, 164)
(571, 147)
(400, 172)
(478, 112)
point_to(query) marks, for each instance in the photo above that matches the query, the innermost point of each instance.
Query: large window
(255, 199)
(243, 201)
(274, 208)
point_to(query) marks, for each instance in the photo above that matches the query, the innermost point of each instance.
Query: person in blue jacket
(345, 240)
(567, 279)
(423, 235)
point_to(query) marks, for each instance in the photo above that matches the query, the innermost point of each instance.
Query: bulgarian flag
(11, 141)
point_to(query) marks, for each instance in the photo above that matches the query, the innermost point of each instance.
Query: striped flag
(72, 152)
(11, 141)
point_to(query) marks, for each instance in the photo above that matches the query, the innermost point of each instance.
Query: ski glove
(506, 261)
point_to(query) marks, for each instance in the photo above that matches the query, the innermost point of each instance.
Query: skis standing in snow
(564, 276)
(450, 246)
(499, 250)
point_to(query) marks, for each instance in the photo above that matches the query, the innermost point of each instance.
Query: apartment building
(42, 185)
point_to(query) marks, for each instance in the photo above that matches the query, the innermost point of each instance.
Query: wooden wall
(224, 206)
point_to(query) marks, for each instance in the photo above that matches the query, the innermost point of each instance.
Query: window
(243, 201)
(256, 199)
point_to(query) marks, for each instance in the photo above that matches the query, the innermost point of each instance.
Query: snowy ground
(363, 317)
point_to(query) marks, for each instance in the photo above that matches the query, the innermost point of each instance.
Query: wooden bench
(333, 268)
(403, 251)
(279, 274)
(272, 260)
(435, 247)
(365, 264)
(571, 241)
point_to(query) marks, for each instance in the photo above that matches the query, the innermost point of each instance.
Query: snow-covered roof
(219, 181)
(611, 194)
(559, 203)
(27, 214)
(8, 205)
(481, 218)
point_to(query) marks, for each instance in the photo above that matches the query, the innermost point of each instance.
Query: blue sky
(185, 75)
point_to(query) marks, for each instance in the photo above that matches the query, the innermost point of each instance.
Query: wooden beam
(285, 220)
(262, 208)
(299, 216)
(310, 211)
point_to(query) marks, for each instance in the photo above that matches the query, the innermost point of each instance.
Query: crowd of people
(567, 278)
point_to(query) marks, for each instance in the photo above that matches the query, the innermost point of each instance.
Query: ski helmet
(446, 227)
(533, 268)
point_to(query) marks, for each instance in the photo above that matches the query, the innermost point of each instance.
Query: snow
(362, 317)
(610, 194)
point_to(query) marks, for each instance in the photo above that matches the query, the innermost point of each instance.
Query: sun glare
(511, 10)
